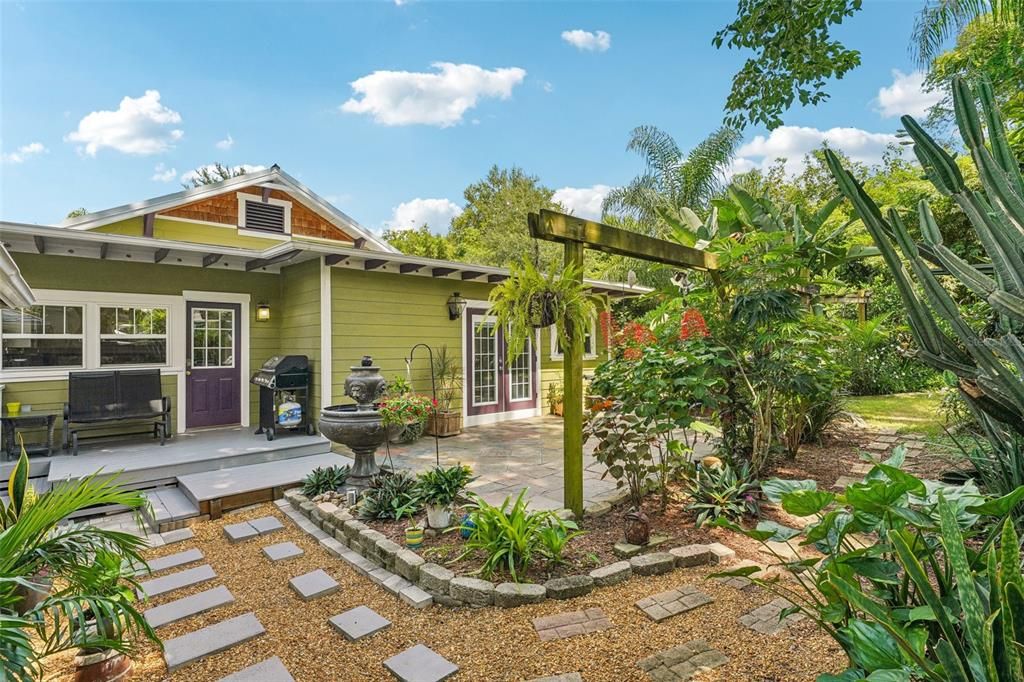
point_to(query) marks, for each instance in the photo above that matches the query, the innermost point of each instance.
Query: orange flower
(692, 324)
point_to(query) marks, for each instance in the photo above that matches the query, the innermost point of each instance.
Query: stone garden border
(409, 576)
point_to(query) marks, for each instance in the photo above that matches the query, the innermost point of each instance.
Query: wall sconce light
(456, 304)
(262, 312)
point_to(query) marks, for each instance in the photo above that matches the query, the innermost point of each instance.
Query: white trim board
(326, 335)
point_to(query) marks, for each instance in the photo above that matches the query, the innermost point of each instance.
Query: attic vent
(269, 217)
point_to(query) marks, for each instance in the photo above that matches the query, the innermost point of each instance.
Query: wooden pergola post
(577, 234)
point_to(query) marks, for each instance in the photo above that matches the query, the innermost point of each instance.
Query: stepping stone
(570, 624)
(878, 446)
(844, 481)
(738, 581)
(680, 663)
(664, 605)
(165, 614)
(237, 532)
(177, 535)
(314, 584)
(765, 619)
(359, 622)
(266, 524)
(282, 551)
(174, 560)
(564, 677)
(270, 670)
(176, 581)
(213, 639)
(420, 664)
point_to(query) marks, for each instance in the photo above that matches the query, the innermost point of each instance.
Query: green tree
(940, 20)
(673, 185)
(215, 172)
(77, 213)
(421, 242)
(492, 229)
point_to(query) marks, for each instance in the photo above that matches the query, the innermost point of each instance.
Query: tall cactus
(990, 370)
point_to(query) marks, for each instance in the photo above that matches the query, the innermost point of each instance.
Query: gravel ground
(487, 644)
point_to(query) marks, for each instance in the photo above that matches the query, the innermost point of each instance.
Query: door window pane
(213, 338)
(520, 375)
(485, 364)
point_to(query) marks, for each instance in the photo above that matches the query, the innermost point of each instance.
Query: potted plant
(439, 488)
(530, 300)
(414, 536)
(111, 578)
(556, 396)
(448, 382)
(406, 413)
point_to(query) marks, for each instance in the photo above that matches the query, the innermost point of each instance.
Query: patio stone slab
(236, 532)
(420, 664)
(177, 535)
(188, 556)
(181, 651)
(570, 624)
(359, 622)
(270, 670)
(282, 551)
(314, 584)
(664, 605)
(564, 677)
(681, 663)
(416, 597)
(765, 619)
(172, 612)
(844, 481)
(740, 582)
(176, 581)
(266, 524)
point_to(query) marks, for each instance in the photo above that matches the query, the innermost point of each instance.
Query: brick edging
(419, 583)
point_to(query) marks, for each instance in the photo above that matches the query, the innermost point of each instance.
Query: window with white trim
(133, 336)
(589, 342)
(43, 336)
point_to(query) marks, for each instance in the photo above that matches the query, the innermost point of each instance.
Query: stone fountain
(360, 427)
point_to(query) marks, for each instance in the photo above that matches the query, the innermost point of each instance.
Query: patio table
(28, 421)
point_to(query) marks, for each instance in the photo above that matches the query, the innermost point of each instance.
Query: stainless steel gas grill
(284, 382)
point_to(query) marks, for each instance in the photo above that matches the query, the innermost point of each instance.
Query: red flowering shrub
(692, 325)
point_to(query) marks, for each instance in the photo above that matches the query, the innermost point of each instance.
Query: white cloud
(193, 174)
(596, 41)
(24, 152)
(139, 126)
(584, 202)
(398, 98)
(227, 143)
(906, 95)
(409, 215)
(164, 174)
(792, 143)
(548, 86)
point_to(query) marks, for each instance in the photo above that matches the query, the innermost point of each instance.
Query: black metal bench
(104, 400)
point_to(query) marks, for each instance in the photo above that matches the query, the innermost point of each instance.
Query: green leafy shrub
(512, 536)
(324, 479)
(919, 580)
(722, 492)
(390, 496)
(442, 486)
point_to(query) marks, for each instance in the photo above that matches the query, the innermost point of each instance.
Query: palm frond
(941, 20)
(659, 150)
(703, 173)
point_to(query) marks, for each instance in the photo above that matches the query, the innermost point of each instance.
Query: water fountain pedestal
(359, 427)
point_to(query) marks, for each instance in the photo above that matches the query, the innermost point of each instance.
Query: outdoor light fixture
(456, 304)
(262, 312)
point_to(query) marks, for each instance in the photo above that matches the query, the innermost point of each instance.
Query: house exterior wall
(176, 230)
(300, 319)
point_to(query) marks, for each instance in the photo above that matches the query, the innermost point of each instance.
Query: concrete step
(212, 485)
(213, 639)
(188, 556)
(270, 670)
(168, 508)
(176, 581)
(171, 612)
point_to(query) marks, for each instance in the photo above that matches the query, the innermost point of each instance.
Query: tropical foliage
(390, 496)
(442, 486)
(324, 479)
(722, 491)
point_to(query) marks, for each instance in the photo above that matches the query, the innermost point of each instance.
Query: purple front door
(495, 385)
(213, 378)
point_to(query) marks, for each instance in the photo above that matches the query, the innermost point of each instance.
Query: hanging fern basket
(543, 309)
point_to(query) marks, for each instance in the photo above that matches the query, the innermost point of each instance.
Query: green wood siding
(176, 230)
(300, 319)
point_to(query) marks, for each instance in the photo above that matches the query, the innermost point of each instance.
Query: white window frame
(91, 302)
(234, 341)
(165, 336)
(42, 335)
(253, 232)
(592, 355)
(477, 320)
(528, 349)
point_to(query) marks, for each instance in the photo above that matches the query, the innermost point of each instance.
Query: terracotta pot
(30, 598)
(637, 527)
(102, 666)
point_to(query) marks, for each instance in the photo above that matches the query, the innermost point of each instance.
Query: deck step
(172, 612)
(168, 507)
(213, 639)
(212, 485)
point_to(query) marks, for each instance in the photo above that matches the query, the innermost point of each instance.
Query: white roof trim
(14, 290)
(271, 175)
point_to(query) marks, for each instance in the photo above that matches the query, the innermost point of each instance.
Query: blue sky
(104, 104)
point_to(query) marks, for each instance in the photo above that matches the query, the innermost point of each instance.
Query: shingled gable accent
(223, 208)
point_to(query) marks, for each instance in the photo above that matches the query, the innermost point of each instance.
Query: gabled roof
(274, 175)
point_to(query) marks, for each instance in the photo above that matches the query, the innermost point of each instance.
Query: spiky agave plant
(990, 370)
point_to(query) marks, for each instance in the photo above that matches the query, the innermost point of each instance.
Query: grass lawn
(905, 412)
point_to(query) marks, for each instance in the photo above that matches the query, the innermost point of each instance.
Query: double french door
(495, 385)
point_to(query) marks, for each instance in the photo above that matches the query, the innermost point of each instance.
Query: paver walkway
(664, 605)
(171, 612)
(282, 551)
(210, 640)
(270, 670)
(765, 619)
(188, 556)
(176, 581)
(359, 622)
(314, 584)
(570, 624)
(680, 663)
(420, 664)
